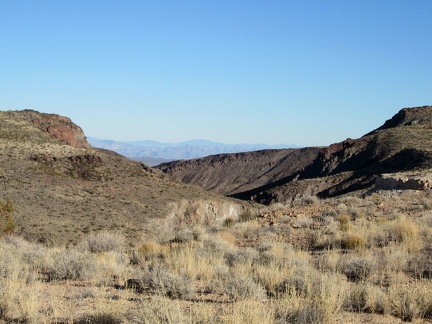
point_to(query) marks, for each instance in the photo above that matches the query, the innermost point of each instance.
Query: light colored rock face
(401, 181)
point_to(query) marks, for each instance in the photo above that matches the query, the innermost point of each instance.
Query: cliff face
(403, 143)
(59, 127)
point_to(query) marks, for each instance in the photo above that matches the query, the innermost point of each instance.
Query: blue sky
(294, 72)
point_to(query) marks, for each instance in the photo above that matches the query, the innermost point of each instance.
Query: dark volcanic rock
(234, 173)
(403, 143)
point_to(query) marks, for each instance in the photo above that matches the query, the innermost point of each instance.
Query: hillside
(62, 188)
(230, 174)
(402, 144)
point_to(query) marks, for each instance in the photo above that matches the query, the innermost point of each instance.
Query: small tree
(7, 223)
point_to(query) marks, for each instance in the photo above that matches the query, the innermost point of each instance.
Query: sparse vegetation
(373, 268)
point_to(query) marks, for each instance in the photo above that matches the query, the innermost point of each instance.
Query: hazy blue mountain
(176, 151)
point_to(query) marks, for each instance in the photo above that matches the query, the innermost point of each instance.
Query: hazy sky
(293, 72)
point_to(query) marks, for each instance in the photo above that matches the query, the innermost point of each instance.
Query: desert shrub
(170, 284)
(229, 222)
(294, 286)
(184, 235)
(12, 266)
(8, 261)
(309, 200)
(420, 264)
(217, 246)
(159, 310)
(344, 222)
(70, 264)
(404, 231)
(241, 257)
(150, 250)
(308, 312)
(411, 301)
(352, 241)
(367, 298)
(358, 269)
(32, 254)
(302, 200)
(247, 215)
(7, 223)
(239, 287)
(326, 298)
(403, 303)
(247, 311)
(103, 242)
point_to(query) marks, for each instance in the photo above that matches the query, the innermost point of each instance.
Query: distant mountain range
(153, 153)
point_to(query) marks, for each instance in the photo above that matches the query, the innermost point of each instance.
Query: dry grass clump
(367, 298)
(344, 222)
(410, 301)
(149, 251)
(404, 231)
(159, 309)
(319, 304)
(353, 241)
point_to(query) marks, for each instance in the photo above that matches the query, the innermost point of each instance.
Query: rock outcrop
(401, 181)
(59, 127)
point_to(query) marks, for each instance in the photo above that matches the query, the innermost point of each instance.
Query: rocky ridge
(402, 144)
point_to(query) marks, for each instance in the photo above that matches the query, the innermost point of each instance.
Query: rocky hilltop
(62, 188)
(59, 127)
(403, 143)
